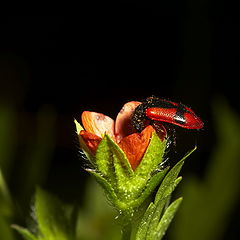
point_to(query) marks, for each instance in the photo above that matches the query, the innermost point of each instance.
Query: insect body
(160, 110)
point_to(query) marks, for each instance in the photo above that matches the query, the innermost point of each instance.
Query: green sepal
(83, 145)
(125, 188)
(121, 203)
(79, 127)
(111, 160)
(150, 186)
(110, 192)
(152, 158)
(128, 189)
(86, 151)
(141, 181)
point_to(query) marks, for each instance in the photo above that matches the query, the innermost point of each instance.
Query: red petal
(98, 124)
(135, 145)
(123, 126)
(91, 140)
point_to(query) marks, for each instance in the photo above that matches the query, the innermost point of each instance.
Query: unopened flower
(133, 144)
(125, 162)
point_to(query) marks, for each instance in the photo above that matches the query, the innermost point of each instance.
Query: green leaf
(53, 219)
(169, 183)
(144, 224)
(25, 233)
(154, 225)
(51, 216)
(147, 229)
(167, 218)
(154, 181)
(155, 218)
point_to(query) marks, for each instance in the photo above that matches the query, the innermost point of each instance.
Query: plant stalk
(126, 231)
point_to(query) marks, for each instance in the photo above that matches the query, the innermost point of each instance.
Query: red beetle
(160, 110)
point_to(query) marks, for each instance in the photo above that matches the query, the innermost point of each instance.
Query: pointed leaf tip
(79, 128)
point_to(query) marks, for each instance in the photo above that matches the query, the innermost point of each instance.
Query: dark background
(101, 58)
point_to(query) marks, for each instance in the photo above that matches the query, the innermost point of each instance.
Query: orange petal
(123, 126)
(135, 145)
(98, 124)
(90, 140)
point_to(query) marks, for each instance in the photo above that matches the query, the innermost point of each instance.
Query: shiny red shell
(179, 115)
(155, 110)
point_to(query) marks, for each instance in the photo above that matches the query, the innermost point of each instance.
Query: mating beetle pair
(154, 109)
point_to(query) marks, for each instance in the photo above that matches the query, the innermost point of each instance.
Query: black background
(103, 57)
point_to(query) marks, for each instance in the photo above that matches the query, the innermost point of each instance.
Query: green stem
(126, 231)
